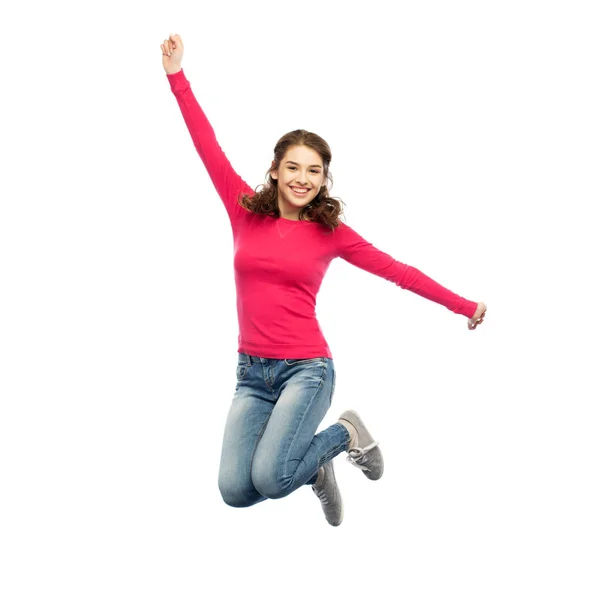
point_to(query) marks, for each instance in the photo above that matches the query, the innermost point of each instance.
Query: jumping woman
(285, 237)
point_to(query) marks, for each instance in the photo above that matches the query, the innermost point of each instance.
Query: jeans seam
(308, 407)
(338, 449)
(259, 437)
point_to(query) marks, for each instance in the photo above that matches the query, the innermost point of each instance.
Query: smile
(300, 191)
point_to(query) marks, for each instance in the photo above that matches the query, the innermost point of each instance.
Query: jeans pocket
(290, 362)
(241, 370)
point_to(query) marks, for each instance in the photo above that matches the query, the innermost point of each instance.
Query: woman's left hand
(477, 318)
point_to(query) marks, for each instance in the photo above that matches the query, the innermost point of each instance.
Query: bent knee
(238, 496)
(237, 501)
(269, 485)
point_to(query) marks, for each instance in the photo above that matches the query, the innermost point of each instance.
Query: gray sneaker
(363, 451)
(329, 495)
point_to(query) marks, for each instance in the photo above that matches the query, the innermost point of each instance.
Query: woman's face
(299, 179)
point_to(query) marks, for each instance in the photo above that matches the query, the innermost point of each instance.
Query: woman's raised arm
(226, 181)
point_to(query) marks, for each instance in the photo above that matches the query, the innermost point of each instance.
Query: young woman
(285, 236)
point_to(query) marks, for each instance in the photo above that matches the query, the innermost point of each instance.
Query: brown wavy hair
(322, 209)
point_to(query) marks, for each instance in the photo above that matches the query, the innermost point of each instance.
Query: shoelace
(322, 494)
(357, 456)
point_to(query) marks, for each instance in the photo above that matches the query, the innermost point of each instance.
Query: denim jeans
(269, 446)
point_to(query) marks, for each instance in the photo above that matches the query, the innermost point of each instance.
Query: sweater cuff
(178, 81)
(468, 309)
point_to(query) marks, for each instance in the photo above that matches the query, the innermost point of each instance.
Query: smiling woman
(285, 237)
(296, 182)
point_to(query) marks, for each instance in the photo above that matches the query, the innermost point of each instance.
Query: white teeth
(300, 190)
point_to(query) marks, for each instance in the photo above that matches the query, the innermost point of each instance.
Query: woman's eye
(312, 170)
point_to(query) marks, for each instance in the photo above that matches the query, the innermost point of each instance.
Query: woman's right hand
(172, 50)
(477, 318)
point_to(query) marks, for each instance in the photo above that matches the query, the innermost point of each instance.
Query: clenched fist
(172, 50)
(477, 318)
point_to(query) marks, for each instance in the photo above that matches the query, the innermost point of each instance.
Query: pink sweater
(279, 264)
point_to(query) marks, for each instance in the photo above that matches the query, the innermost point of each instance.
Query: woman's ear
(273, 170)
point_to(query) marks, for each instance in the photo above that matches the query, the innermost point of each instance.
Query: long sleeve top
(279, 263)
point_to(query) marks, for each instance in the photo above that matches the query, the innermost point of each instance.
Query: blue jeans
(269, 446)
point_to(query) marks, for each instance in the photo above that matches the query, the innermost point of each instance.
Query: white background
(465, 143)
